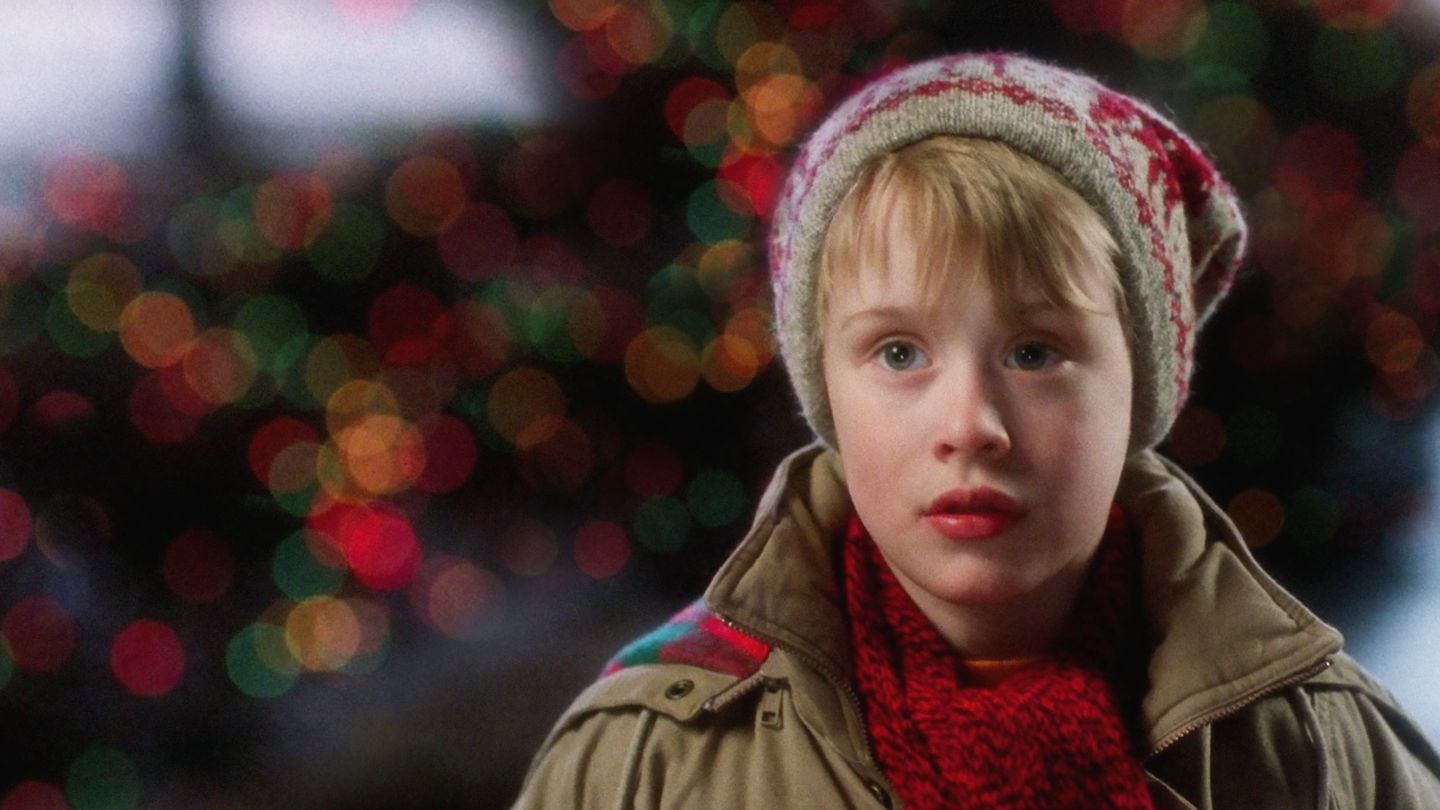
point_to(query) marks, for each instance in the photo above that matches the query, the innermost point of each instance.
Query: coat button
(878, 791)
(679, 689)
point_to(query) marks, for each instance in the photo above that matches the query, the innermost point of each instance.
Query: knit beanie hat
(1176, 223)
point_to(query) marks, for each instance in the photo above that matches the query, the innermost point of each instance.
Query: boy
(982, 588)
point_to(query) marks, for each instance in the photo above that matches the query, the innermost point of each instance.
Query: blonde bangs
(977, 206)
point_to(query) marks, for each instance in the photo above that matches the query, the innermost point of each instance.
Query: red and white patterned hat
(1176, 223)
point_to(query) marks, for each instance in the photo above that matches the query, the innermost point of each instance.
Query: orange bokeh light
(156, 329)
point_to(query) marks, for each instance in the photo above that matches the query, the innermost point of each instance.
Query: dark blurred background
(370, 370)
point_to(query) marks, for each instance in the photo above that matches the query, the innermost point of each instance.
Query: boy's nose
(973, 423)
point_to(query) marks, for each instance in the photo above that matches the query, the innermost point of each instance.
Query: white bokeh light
(304, 65)
(95, 75)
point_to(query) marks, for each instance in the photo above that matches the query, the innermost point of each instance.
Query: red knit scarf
(1053, 735)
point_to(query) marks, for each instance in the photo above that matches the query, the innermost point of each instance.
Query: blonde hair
(971, 202)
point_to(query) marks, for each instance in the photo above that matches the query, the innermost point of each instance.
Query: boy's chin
(981, 590)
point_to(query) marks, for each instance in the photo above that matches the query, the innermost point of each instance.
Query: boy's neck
(1020, 629)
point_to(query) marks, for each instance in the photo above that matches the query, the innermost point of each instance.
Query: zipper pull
(772, 703)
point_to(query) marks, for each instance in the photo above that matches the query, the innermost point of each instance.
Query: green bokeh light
(696, 22)
(235, 233)
(298, 503)
(716, 498)
(70, 334)
(693, 323)
(289, 370)
(674, 297)
(349, 247)
(473, 403)
(672, 287)
(512, 299)
(7, 664)
(662, 524)
(102, 779)
(22, 315)
(271, 323)
(299, 575)
(708, 155)
(259, 663)
(547, 325)
(1395, 275)
(1356, 65)
(1233, 48)
(710, 219)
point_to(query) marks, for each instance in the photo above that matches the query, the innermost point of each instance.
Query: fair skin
(981, 452)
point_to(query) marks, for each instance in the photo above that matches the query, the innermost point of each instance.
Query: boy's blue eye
(1032, 357)
(899, 355)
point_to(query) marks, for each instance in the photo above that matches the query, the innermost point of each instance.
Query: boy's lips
(973, 513)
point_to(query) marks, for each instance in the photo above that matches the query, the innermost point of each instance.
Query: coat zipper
(831, 675)
(1225, 711)
(736, 692)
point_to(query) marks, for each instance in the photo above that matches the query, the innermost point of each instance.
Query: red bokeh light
(425, 195)
(9, 398)
(41, 634)
(601, 549)
(407, 324)
(549, 260)
(271, 438)
(808, 14)
(479, 339)
(653, 470)
(34, 795)
(449, 454)
(1319, 166)
(1416, 188)
(457, 596)
(481, 243)
(579, 73)
(147, 658)
(758, 177)
(685, 96)
(291, 209)
(60, 408)
(379, 545)
(1355, 15)
(87, 191)
(16, 525)
(175, 385)
(600, 47)
(624, 319)
(619, 213)
(153, 414)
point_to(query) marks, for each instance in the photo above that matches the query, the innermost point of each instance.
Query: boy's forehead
(899, 262)
(893, 288)
(910, 276)
(908, 241)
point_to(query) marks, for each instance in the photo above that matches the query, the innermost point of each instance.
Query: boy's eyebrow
(1029, 309)
(875, 313)
(1021, 311)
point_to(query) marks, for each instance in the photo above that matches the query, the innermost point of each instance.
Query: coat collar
(783, 580)
(1221, 631)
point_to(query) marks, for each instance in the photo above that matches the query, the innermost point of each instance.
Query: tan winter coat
(1251, 703)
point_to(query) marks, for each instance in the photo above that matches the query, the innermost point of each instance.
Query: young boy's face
(981, 453)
